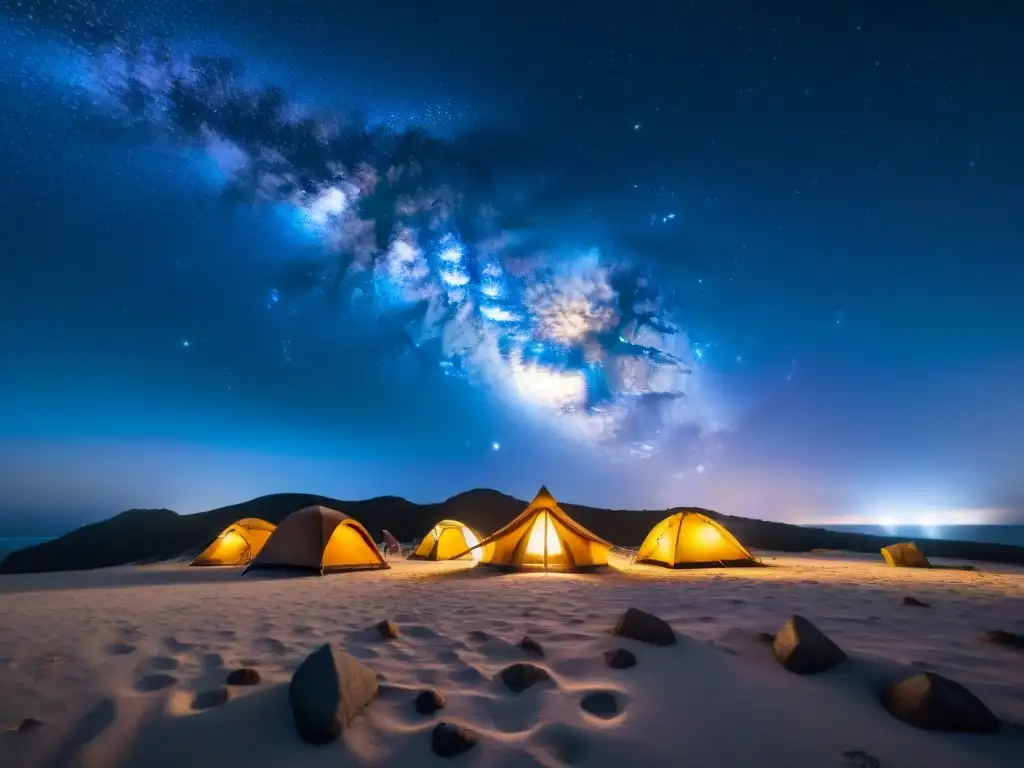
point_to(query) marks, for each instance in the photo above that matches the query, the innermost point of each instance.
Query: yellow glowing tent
(905, 555)
(237, 544)
(319, 539)
(544, 537)
(450, 540)
(691, 540)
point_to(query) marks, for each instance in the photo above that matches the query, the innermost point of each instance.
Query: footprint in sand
(448, 656)
(157, 681)
(120, 649)
(164, 663)
(468, 676)
(362, 653)
(174, 645)
(419, 631)
(211, 660)
(567, 744)
(274, 645)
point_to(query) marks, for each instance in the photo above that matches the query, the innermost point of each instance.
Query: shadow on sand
(163, 575)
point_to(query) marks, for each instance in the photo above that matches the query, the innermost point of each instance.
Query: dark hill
(146, 535)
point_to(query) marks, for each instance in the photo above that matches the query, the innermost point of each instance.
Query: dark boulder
(428, 702)
(1006, 639)
(936, 703)
(804, 649)
(328, 691)
(619, 658)
(520, 676)
(645, 627)
(243, 676)
(450, 740)
(914, 602)
(531, 646)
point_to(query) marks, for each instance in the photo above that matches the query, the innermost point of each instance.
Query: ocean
(990, 534)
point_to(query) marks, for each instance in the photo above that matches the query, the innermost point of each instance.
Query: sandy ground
(86, 653)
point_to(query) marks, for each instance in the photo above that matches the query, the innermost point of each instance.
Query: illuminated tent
(905, 555)
(691, 540)
(544, 537)
(449, 540)
(319, 539)
(237, 544)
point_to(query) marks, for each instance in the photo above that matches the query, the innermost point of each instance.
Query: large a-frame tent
(321, 540)
(692, 540)
(450, 540)
(544, 537)
(237, 544)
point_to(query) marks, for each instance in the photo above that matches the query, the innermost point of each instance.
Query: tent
(449, 540)
(237, 544)
(692, 540)
(544, 537)
(905, 555)
(322, 540)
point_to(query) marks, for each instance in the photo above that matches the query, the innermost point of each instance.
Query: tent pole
(547, 522)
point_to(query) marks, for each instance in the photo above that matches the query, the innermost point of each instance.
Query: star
(495, 446)
(186, 343)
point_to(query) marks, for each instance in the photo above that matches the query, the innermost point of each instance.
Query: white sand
(75, 649)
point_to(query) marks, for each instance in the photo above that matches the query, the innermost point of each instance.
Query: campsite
(537, 644)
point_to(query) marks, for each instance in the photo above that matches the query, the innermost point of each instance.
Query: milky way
(411, 236)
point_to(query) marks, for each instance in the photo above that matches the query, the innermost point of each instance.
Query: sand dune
(112, 661)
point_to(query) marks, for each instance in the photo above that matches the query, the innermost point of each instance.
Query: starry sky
(764, 260)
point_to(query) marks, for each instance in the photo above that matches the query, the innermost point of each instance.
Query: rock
(1008, 639)
(600, 704)
(530, 645)
(857, 758)
(388, 630)
(913, 601)
(428, 702)
(243, 676)
(520, 676)
(449, 740)
(645, 627)
(26, 725)
(328, 691)
(211, 698)
(804, 649)
(619, 658)
(936, 703)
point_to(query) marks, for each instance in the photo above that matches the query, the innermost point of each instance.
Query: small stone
(449, 739)
(243, 676)
(428, 702)
(936, 703)
(530, 645)
(26, 725)
(600, 704)
(518, 677)
(645, 627)
(328, 691)
(857, 758)
(388, 630)
(913, 601)
(1007, 639)
(804, 649)
(211, 698)
(619, 658)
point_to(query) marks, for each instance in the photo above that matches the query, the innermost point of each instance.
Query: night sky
(760, 257)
